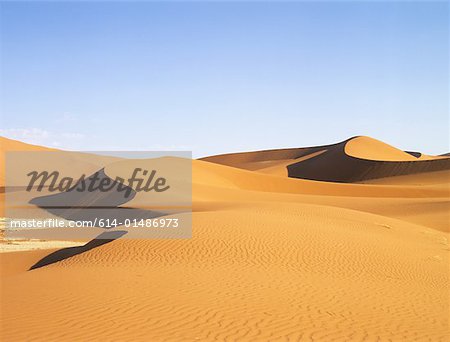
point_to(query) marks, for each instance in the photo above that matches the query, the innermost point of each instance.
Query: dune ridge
(354, 160)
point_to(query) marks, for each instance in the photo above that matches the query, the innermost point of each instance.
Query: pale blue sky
(223, 77)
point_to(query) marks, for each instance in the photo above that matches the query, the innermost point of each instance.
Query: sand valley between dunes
(343, 242)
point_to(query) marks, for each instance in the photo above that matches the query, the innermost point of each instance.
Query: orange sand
(272, 258)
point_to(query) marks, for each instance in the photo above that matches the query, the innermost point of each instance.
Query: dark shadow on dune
(335, 165)
(86, 193)
(414, 154)
(95, 205)
(66, 253)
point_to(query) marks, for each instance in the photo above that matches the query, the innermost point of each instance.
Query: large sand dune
(271, 258)
(356, 159)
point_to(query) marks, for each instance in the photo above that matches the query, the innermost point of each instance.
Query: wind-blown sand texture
(310, 257)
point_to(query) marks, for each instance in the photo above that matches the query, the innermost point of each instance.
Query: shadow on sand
(94, 205)
(66, 253)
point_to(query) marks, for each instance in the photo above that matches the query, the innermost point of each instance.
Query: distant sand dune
(354, 160)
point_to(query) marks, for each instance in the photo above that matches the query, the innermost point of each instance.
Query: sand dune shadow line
(69, 252)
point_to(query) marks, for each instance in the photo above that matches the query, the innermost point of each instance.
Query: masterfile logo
(67, 195)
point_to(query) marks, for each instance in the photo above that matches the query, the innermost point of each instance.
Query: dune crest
(371, 149)
(354, 160)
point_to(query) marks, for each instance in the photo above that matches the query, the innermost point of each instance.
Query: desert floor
(272, 258)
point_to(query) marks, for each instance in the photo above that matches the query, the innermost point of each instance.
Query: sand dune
(271, 258)
(372, 149)
(71, 164)
(356, 159)
(7, 145)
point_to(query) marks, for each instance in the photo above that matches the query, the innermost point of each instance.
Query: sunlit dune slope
(256, 271)
(372, 149)
(67, 163)
(7, 145)
(357, 159)
(32, 158)
(218, 186)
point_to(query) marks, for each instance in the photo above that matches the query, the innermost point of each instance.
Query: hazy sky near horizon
(223, 77)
